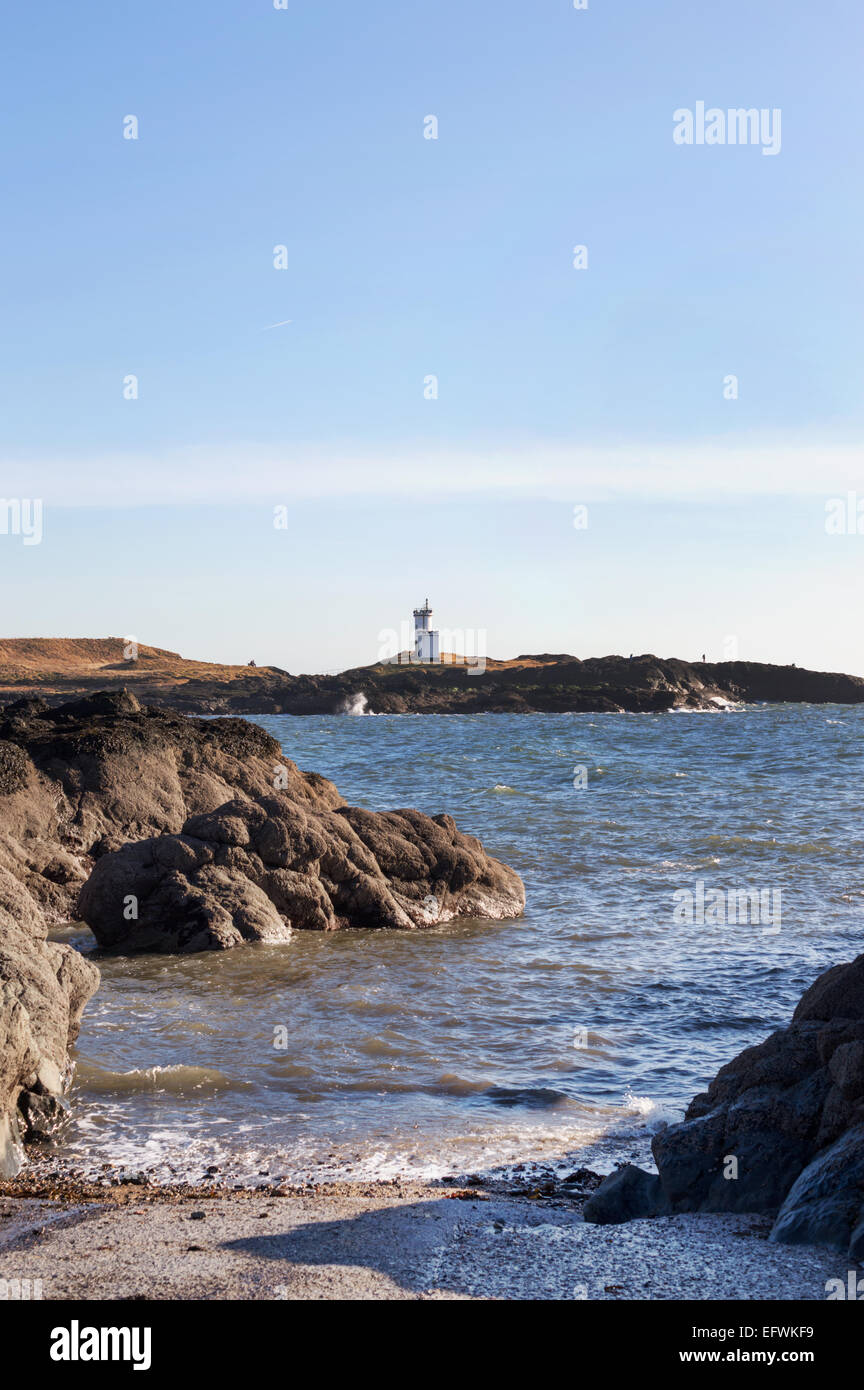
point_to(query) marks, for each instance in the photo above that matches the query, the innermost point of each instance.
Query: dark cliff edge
(546, 683)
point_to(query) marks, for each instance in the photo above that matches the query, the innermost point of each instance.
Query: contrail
(276, 325)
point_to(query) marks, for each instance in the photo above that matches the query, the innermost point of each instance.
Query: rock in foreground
(43, 989)
(177, 834)
(254, 870)
(780, 1130)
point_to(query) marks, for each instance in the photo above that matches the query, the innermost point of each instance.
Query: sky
(282, 366)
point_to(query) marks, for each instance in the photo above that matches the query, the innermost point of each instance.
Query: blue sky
(408, 257)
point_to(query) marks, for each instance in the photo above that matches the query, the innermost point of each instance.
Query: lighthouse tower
(425, 637)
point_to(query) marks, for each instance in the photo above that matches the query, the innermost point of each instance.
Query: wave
(717, 706)
(178, 1080)
(652, 1115)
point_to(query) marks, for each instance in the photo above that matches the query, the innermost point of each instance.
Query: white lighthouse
(425, 637)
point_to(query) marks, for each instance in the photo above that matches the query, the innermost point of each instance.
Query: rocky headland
(57, 669)
(165, 833)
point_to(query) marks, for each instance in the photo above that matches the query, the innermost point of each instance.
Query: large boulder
(175, 834)
(254, 870)
(780, 1129)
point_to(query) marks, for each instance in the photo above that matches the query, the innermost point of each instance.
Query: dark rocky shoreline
(566, 685)
(546, 683)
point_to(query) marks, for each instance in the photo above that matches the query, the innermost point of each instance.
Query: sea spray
(356, 704)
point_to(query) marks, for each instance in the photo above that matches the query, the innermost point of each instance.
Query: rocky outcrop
(44, 986)
(181, 834)
(780, 1130)
(255, 870)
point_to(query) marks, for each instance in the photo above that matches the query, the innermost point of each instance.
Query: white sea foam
(654, 1115)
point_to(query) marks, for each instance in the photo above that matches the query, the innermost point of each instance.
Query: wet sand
(381, 1241)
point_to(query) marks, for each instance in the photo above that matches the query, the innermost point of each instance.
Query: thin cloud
(251, 472)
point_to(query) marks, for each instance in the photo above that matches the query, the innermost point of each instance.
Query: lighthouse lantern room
(426, 646)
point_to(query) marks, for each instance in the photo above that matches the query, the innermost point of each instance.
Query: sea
(688, 875)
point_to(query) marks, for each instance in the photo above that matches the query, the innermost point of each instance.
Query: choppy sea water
(564, 1037)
